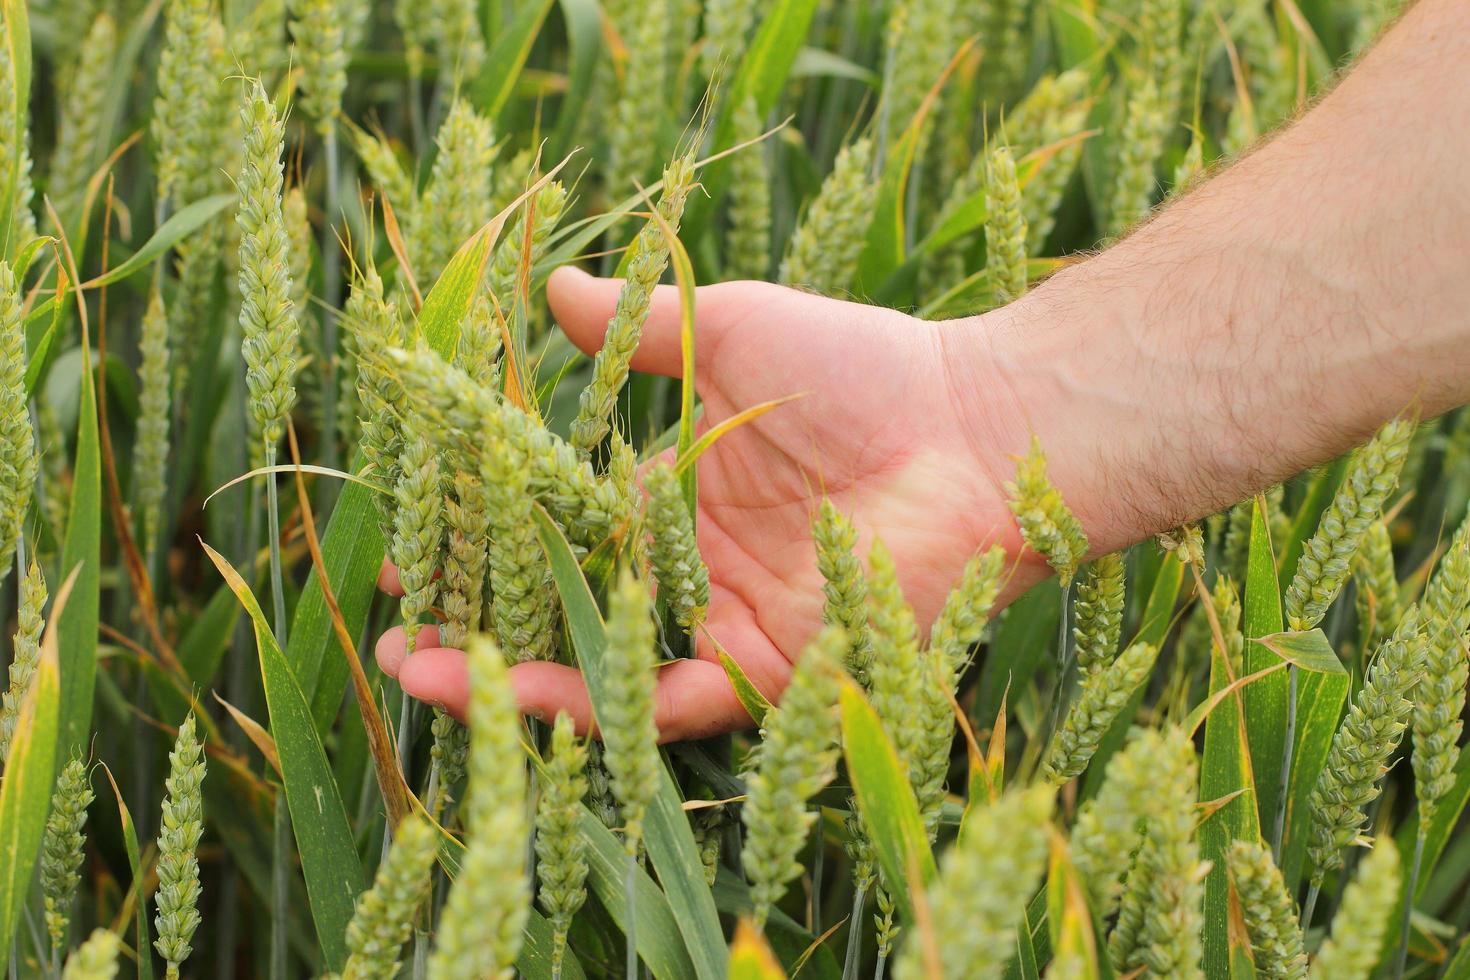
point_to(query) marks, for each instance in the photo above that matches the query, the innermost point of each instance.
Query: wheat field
(273, 309)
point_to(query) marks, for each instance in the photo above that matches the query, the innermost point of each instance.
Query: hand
(890, 425)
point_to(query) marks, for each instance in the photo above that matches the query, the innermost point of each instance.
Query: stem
(405, 743)
(1403, 954)
(854, 935)
(280, 888)
(1064, 660)
(1311, 905)
(331, 295)
(1286, 752)
(431, 791)
(630, 878)
(879, 967)
(273, 519)
(224, 950)
(416, 109)
(420, 954)
(818, 860)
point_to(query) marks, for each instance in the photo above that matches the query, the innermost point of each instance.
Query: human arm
(1269, 320)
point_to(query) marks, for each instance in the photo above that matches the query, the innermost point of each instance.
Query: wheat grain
(1439, 698)
(984, 883)
(1103, 696)
(1377, 600)
(61, 849)
(1362, 746)
(150, 451)
(632, 142)
(178, 892)
(823, 252)
(748, 240)
(1226, 601)
(17, 443)
(95, 959)
(1270, 913)
(966, 611)
(1165, 893)
(1145, 124)
(190, 110)
(1328, 555)
(468, 519)
(1110, 825)
(797, 758)
(683, 578)
(1363, 918)
(560, 846)
(457, 199)
(418, 529)
(27, 653)
(461, 46)
(726, 25)
(267, 319)
(548, 206)
(649, 256)
(447, 756)
(15, 157)
(844, 589)
(897, 676)
(322, 47)
(1065, 118)
(1005, 226)
(1099, 610)
(920, 41)
(480, 930)
(524, 596)
(372, 323)
(1047, 525)
(386, 172)
(384, 917)
(625, 713)
(78, 134)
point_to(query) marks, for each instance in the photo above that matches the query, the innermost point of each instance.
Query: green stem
(1311, 905)
(273, 519)
(818, 861)
(420, 954)
(880, 967)
(1402, 958)
(1279, 830)
(1064, 660)
(432, 790)
(854, 935)
(416, 110)
(630, 930)
(280, 887)
(405, 743)
(331, 296)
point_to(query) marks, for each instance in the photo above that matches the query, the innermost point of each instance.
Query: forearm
(1274, 317)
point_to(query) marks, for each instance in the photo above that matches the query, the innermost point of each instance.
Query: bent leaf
(751, 958)
(135, 866)
(886, 800)
(329, 861)
(1308, 650)
(180, 225)
(668, 838)
(751, 699)
(30, 770)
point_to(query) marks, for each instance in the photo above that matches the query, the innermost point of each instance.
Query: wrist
(1062, 369)
(1131, 400)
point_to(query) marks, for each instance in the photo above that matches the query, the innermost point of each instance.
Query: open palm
(880, 427)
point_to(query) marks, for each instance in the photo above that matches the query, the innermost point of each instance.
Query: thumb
(583, 304)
